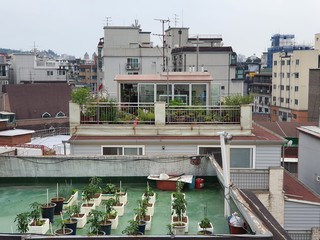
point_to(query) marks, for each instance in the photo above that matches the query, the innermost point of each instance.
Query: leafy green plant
(179, 205)
(95, 221)
(141, 210)
(80, 96)
(205, 223)
(110, 188)
(109, 209)
(35, 213)
(22, 220)
(237, 100)
(132, 228)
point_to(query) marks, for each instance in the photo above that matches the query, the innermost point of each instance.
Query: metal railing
(117, 113)
(252, 179)
(120, 113)
(203, 114)
(298, 235)
(51, 132)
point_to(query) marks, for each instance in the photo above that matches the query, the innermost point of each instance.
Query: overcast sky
(75, 26)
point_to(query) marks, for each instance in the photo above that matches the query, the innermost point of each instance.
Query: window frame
(123, 149)
(252, 147)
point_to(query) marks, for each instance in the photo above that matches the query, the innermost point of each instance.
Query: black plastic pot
(142, 227)
(65, 231)
(106, 227)
(47, 211)
(72, 224)
(59, 205)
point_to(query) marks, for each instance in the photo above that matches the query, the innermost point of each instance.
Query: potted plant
(71, 222)
(58, 200)
(110, 213)
(80, 217)
(123, 195)
(109, 191)
(149, 194)
(88, 194)
(179, 221)
(178, 192)
(117, 205)
(132, 228)
(69, 193)
(94, 183)
(205, 227)
(95, 222)
(38, 225)
(23, 220)
(63, 230)
(141, 214)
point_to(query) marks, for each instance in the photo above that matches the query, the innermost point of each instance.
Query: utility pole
(108, 20)
(164, 62)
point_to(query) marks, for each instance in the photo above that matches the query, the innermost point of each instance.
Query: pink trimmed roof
(172, 77)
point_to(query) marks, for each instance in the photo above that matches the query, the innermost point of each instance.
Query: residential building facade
(291, 84)
(29, 68)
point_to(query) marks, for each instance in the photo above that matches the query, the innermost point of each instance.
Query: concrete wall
(113, 166)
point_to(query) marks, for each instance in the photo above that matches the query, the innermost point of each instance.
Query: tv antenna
(108, 21)
(163, 21)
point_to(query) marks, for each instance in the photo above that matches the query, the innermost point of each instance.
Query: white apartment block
(28, 68)
(291, 83)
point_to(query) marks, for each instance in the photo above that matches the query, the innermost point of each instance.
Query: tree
(80, 96)
(237, 100)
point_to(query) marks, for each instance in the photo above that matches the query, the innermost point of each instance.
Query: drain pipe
(225, 138)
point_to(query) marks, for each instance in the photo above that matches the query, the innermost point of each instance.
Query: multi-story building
(283, 43)
(204, 53)
(4, 70)
(292, 85)
(29, 68)
(127, 50)
(88, 74)
(261, 88)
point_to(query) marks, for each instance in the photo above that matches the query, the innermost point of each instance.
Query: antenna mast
(163, 21)
(108, 20)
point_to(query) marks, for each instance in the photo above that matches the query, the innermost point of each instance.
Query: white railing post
(160, 113)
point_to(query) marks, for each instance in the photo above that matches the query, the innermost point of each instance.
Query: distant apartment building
(261, 88)
(293, 95)
(4, 70)
(283, 43)
(88, 74)
(29, 68)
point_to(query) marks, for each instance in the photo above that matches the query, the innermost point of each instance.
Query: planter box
(43, 229)
(123, 197)
(72, 200)
(150, 210)
(86, 209)
(179, 230)
(119, 209)
(82, 220)
(152, 198)
(96, 200)
(115, 222)
(185, 221)
(210, 229)
(107, 196)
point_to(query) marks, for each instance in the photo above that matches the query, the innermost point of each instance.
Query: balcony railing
(128, 113)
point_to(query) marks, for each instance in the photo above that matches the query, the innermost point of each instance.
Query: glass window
(282, 62)
(240, 157)
(274, 63)
(181, 92)
(274, 86)
(288, 75)
(282, 99)
(296, 101)
(296, 88)
(122, 150)
(46, 115)
(161, 92)
(146, 93)
(199, 94)
(297, 61)
(281, 87)
(132, 63)
(287, 87)
(275, 74)
(288, 62)
(287, 100)
(128, 92)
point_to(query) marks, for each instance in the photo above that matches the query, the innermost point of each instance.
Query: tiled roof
(30, 101)
(294, 189)
(285, 129)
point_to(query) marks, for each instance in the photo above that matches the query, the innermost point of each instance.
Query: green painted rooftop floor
(15, 199)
